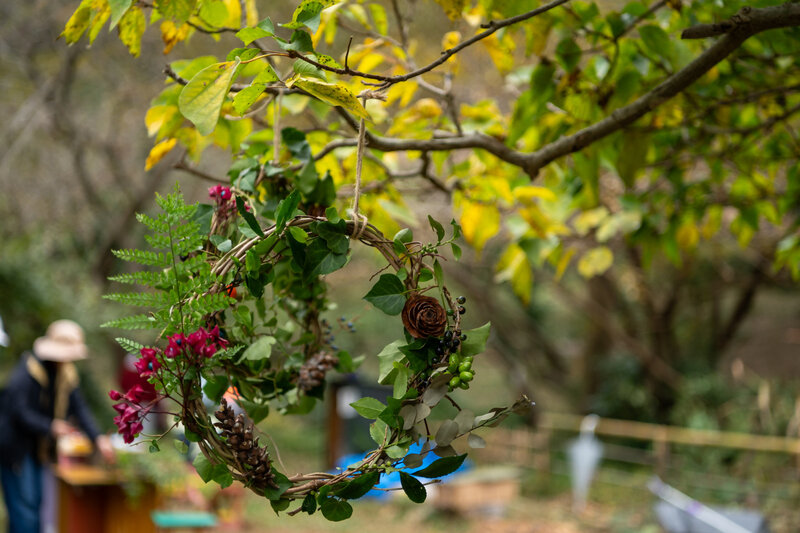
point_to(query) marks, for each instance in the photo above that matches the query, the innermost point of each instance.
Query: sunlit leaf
(131, 28)
(201, 99)
(158, 152)
(331, 93)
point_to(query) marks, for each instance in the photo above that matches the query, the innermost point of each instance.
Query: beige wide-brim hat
(62, 343)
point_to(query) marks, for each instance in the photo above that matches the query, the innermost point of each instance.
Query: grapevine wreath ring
(249, 317)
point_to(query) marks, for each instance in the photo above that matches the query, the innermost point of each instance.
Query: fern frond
(141, 299)
(209, 303)
(143, 257)
(156, 225)
(129, 345)
(148, 278)
(141, 321)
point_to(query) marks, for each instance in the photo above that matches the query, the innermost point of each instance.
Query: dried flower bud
(424, 317)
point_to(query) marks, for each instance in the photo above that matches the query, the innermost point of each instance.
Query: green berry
(455, 382)
(466, 376)
(464, 385)
(466, 366)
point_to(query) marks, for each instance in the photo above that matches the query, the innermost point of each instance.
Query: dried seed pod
(254, 459)
(313, 371)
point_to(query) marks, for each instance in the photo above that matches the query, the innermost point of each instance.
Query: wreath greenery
(238, 294)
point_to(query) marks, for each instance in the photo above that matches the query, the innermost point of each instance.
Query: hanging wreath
(239, 296)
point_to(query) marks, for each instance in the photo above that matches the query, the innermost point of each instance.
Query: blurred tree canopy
(638, 161)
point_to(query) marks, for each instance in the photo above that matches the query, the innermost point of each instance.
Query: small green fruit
(455, 382)
(466, 366)
(466, 376)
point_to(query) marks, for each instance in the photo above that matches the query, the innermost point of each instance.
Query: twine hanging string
(360, 220)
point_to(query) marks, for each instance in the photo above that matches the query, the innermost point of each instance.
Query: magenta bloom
(115, 395)
(148, 363)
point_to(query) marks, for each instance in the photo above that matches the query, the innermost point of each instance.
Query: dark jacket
(36, 393)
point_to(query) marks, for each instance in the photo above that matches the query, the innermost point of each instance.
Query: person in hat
(43, 402)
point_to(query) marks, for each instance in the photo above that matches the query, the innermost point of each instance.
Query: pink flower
(148, 363)
(115, 395)
(198, 339)
(136, 394)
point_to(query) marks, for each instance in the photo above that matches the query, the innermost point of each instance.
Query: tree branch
(386, 81)
(749, 22)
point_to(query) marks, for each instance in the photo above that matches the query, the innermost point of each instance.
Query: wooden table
(92, 500)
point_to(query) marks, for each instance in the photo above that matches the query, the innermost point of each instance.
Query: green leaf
(320, 260)
(177, 10)
(568, 53)
(307, 14)
(204, 467)
(331, 93)
(332, 214)
(656, 40)
(359, 486)
(248, 35)
(280, 505)
(379, 431)
(456, 250)
(413, 488)
(476, 340)
(437, 227)
(300, 41)
(286, 209)
(215, 387)
(248, 216)
(245, 98)
(283, 484)
(368, 407)
(305, 69)
(153, 448)
(118, 9)
(442, 467)
(336, 510)
(299, 234)
(259, 350)
(386, 359)
(201, 99)
(388, 294)
(309, 504)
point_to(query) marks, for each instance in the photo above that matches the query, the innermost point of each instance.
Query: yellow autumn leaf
(528, 193)
(449, 40)
(515, 268)
(589, 220)
(369, 62)
(331, 93)
(595, 262)
(251, 12)
(235, 14)
(131, 28)
(479, 223)
(172, 34)
(501, 51)
(157, 116)
(687, 235)
(158, 152)
(78, 22)
(563, 262)
(453, 8)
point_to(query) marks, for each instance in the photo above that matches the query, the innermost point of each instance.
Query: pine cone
(424, 317)
(313, 371)
(238, 431)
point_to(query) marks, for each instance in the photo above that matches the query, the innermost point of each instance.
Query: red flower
(115, 395)
(148, 363)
